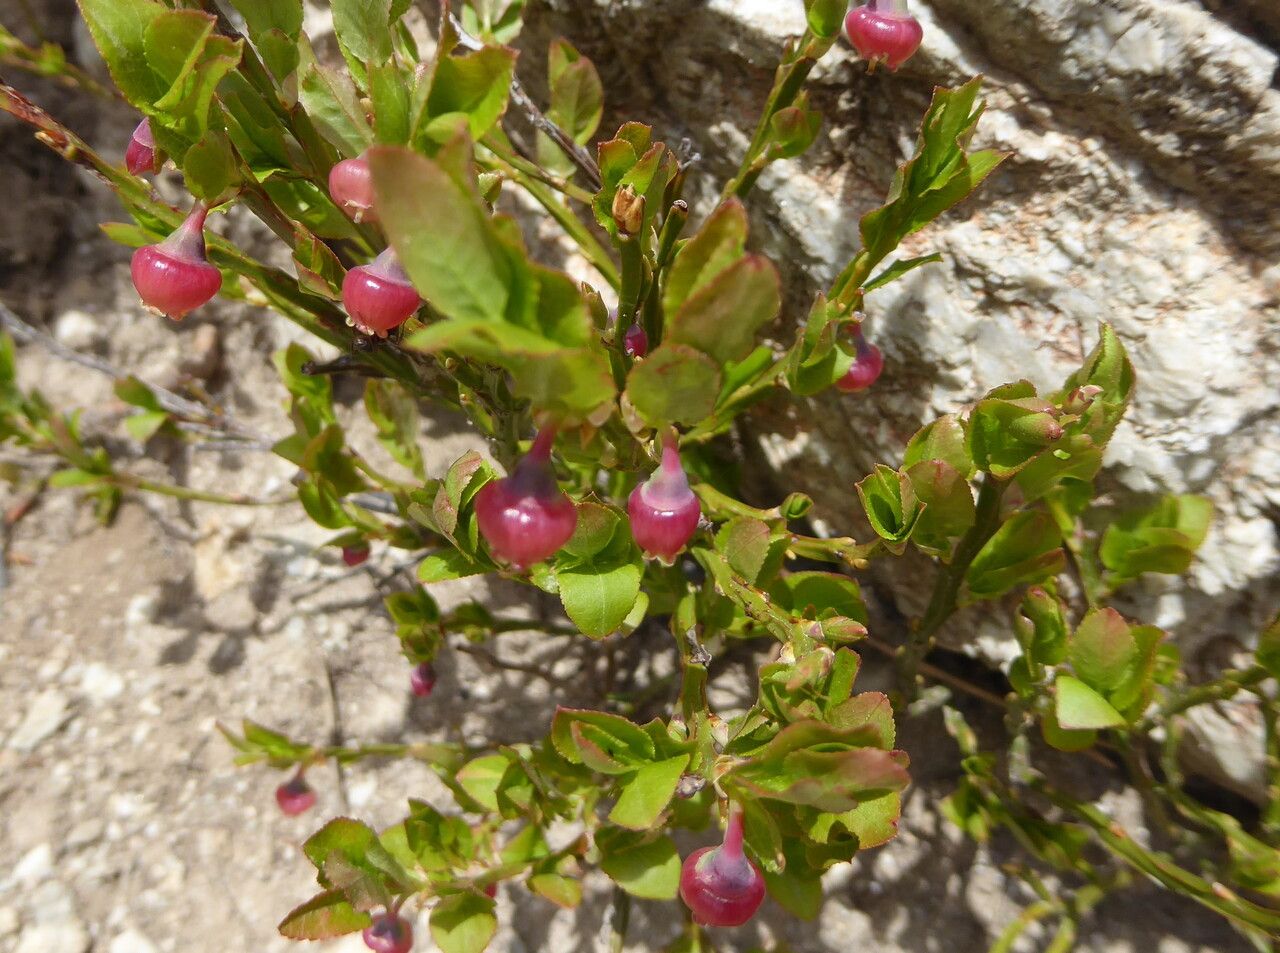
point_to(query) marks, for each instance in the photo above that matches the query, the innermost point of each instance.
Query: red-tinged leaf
(325, 916)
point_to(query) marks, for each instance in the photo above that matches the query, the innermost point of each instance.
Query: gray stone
(79, 330)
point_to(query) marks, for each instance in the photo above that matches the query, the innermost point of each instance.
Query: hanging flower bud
(355, 556)
(635, 342)
(719, 884)
(379, 296)
(422, 680)
(141, 156)
(664, 511)
(866, 367)
(389, 933)
(883, 31)
(351, 188)
(173, 277)
(295, 796)
(526, 518)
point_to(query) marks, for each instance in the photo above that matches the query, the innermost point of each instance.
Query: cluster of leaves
(1002, 497)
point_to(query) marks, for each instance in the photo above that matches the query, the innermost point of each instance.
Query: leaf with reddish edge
(325, 916)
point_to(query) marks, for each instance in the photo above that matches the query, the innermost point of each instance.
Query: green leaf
(389, 92)
(717, 246)
(675, 384)
(938, 176)
(621, 739)
(799, 891)
(721, 319)
(364, 29)
(209, 168)
(890, 502)
(448, 564)
(1102, 651)
(119, 28)
(820, 595)
(562, 891)
(1024, 550)
(323, 917)
(333, 105)
(598, 594)
(463, 923)
(262, 16)
(793, 130)
(948, 504)
(480, 779)
(646, 794)
(1005, 435)
(1078, 707)
(577, 95)
(650, 870)
(1048, 643)
(898, 269)
(394, 413)
(825, 16)
(476, 85)
(1162, 538)
(945, 439)
(745, 544)
(443, 236)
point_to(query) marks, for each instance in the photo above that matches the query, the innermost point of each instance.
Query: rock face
(1143, 189)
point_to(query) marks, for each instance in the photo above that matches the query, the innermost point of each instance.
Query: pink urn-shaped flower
(526, 518)
(174, 277)
(664, 511)
(379, 296)
(882, 31)
(721, 885)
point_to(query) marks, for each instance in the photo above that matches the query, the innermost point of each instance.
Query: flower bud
(719, 884)
(525, 517)
(635, 342)
(379, 296)
(355, 555)
(866, 368)
(628, 210)
(664, 511)
(295, 796)
(141, 156)
(389, 933)
(883, 32)
(422, 680)
(174, 277)
(351, 188)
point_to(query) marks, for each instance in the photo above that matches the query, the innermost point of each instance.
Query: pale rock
(67, 936)
(10, 922)
(79, 331)
(131, 941)
(47, 713)
(34, 866)
(100, 684)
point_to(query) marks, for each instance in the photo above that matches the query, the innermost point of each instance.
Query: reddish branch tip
(141, 156)
(295, 797)
(379, 296)
(664, 511)
(884, 33)
(351, 188)
(721, 885)
(174, 277)
(525, 518)
(389, 933)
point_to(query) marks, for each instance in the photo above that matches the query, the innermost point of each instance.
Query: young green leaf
(463, 923)
(646, 794)
(649, 870)
(325, 916)
(1079, 707)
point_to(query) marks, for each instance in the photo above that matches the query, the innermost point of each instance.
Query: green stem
(942, 604)
(789, 79)
(1225, 686)
(1033, 913)
(126, 481)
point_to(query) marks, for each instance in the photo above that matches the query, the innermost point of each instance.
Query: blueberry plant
(607, 404)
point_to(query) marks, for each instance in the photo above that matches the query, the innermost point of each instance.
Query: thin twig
(576, 153)
(167, 399)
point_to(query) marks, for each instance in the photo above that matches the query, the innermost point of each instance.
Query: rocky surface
(124, 825)
(1142, 188)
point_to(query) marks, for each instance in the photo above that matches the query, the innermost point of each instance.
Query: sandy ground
(124, 825)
